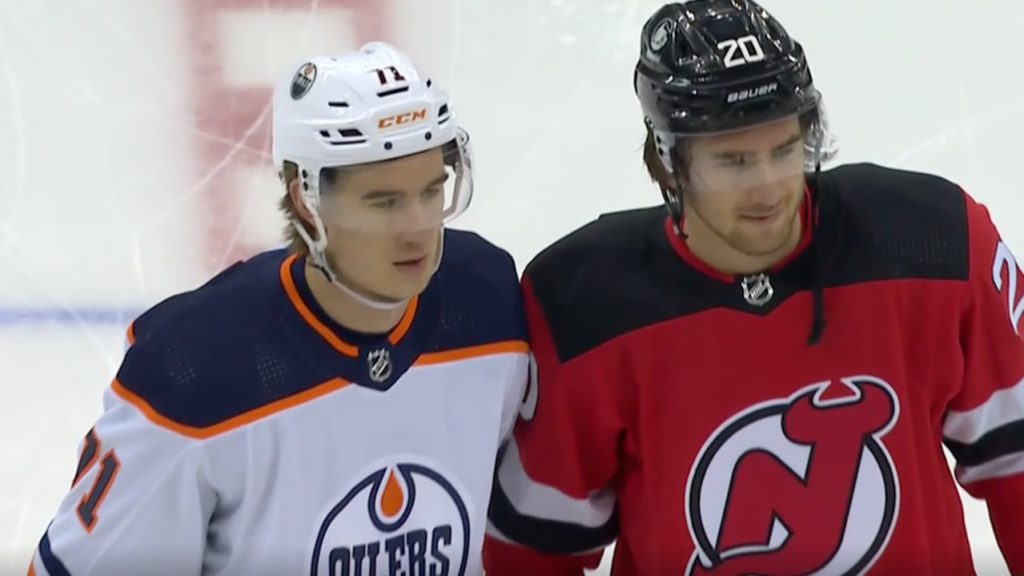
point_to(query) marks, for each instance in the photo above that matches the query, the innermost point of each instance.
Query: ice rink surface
(134, 155)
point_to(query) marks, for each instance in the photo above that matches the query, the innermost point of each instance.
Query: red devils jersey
(691, 417)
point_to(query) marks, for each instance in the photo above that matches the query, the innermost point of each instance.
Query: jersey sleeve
(984, 426)
(519, 375)
(514, 393)
(138, 504)
(553, 503)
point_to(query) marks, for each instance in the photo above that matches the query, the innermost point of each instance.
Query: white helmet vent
(345, 136)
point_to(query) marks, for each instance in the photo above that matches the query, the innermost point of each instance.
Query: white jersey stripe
(530, 498)
(1003, 407)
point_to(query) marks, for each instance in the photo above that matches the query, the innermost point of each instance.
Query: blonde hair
(288, 174)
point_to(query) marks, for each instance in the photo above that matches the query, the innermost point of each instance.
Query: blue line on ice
(69, 316)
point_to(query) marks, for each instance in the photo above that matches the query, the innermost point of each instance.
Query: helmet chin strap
(318, 255)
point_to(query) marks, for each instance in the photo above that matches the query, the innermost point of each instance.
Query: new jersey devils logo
(797, 486)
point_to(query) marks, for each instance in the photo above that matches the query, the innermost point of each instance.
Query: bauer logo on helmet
(750, 93)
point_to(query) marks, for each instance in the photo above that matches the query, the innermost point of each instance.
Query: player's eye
(786, 152)
(386, 204)
(735, 162)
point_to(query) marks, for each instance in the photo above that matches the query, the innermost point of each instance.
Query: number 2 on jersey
(1005, 261)
(88, 507)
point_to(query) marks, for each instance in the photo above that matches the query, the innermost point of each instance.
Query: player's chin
(761, 243)
(404, 285)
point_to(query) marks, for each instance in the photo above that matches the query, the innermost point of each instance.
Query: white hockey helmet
(365, 106)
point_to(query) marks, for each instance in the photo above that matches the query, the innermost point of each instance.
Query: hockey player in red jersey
(761, 380)
(330, 409)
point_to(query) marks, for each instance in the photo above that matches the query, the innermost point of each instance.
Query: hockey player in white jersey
(331, 409)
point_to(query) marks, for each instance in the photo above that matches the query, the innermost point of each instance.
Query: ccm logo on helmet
(400, 119)
(752, 93)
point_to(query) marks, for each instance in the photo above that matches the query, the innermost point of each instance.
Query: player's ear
(655, 167)
(295, 196)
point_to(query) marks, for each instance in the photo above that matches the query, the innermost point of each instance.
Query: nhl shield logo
(380, 365)
(757, 289)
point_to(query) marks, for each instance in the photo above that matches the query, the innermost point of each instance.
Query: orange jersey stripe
(307, 315)
(32, 567)
(326, 333)
(131, 334)
(155, 417)
(507, 347)
(403, 326)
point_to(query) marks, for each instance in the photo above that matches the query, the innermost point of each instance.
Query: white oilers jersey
(246, 433)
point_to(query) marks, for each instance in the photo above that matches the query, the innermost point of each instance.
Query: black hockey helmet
(709, 66)
(713, 66)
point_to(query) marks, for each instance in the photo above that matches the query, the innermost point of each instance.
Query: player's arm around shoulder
(984, 425)
(553, 504)
(139, 501)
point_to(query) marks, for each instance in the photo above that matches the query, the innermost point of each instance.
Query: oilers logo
(400, 519)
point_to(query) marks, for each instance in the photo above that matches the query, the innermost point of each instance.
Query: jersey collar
(342, 339)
